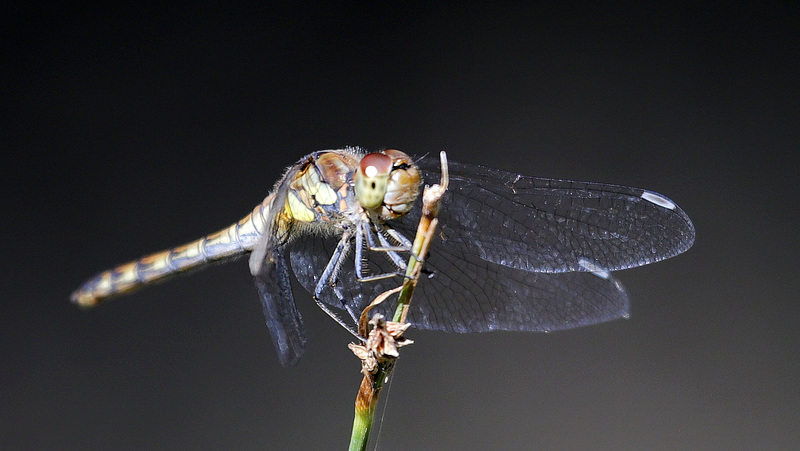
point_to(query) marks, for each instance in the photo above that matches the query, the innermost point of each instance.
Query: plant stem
(373, 380)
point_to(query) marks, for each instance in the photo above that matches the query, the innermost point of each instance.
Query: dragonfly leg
(397, 236)
(355, 315)
(358, 262)
(400, 238)
(332, 314)
(331, 271)
(381, 231)
(389, 250)
(327, 279)
(405, 246)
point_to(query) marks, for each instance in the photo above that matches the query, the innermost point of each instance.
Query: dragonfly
(512, 252)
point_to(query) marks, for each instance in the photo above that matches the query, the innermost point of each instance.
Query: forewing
(548, 225)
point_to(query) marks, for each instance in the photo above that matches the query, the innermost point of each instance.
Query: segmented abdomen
(232, 241)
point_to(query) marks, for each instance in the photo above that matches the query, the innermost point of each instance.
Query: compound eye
(371, 178)
(398, 157)
(403, 187)
(375, 164)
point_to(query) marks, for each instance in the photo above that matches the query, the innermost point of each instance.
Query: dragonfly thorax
(387, 183)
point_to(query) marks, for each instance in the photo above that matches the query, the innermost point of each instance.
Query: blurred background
(133, 129)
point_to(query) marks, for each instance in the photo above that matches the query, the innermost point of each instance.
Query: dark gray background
(136, 129)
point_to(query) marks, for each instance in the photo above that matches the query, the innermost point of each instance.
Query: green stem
(366, 402)
(371, 384)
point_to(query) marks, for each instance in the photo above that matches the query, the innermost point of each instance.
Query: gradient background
(132, 130)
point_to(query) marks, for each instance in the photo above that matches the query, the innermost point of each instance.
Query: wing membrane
(464, 293)
(280, 312)
(518, 253)
(548, 225)
(270, 268)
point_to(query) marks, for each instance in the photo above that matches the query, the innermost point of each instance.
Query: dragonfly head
(387, 183)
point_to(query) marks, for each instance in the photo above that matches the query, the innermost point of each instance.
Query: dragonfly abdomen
(230, 242)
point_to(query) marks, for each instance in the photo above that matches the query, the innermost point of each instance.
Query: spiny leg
(391, 251)
(399, 263)
(330, 273)
(339, 320)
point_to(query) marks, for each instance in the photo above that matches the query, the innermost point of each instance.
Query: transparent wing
(548, 225)
(280, 312)
(270, 269)
(520, 253)
(462, 293)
